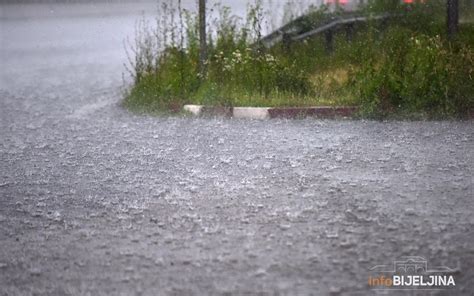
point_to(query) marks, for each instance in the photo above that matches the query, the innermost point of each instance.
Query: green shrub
(414, 72)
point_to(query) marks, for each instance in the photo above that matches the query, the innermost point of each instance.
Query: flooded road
(97, 201)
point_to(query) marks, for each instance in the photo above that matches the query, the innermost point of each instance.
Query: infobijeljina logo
(411, 273)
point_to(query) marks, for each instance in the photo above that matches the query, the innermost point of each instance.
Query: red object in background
(342, 2)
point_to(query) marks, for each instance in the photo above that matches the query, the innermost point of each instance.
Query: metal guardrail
(292, 32)
(337, 23)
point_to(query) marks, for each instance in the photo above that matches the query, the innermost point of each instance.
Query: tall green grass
(404, 65)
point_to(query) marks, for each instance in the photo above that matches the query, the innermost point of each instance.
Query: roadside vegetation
(402, 66)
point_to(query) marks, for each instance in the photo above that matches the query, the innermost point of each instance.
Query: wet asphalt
(95, 200)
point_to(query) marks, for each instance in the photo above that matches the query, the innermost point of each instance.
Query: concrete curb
(251, 112)
(193, 109)
(268, 113)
